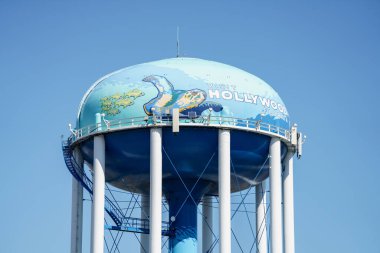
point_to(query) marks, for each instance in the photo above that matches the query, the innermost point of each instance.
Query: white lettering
(273, 104)
(265, 101)
(280, 108)
(237, 97)
(254, 98)
(246, 99)
(226, 94)
(213, 94)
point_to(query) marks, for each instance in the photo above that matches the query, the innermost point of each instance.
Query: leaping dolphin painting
(193, 100)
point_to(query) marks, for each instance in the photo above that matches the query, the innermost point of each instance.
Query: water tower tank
(190, 100)
(208, 96)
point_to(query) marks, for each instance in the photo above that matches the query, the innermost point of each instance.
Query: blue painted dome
(196, 87)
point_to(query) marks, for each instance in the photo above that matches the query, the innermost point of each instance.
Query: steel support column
(275, 195)
(155, 190)
(288, 204)
(207, 236)
(97, 218)
(224, 175)
(97, 221)
(77, 209)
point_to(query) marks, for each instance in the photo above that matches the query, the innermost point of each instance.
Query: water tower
(185, 130)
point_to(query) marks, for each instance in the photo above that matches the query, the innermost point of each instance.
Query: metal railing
(122, 222)
(166, 120)
(138, 225)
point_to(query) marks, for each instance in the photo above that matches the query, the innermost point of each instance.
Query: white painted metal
(155, 189)
(299, 145)
(288, 204)
(275, 195)
(175, 123)
(293, 136)
(224, 175)
(98, 122)
(76, 217)
(97, 219)
(77, 209)
(144, 238)
(207, 224)
(261, 224)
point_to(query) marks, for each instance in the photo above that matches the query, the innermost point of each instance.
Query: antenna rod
(177, 41)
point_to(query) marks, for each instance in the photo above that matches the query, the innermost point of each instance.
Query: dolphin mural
(186, 101)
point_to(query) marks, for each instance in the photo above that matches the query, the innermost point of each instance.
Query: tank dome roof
(194, 86)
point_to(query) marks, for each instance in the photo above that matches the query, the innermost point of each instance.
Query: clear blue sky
(323, 58)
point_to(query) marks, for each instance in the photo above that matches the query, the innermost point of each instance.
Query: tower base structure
(183, 203)
(183, 220)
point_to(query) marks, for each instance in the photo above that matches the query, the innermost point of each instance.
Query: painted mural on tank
(186, 101)
(113, 104)
(196, 87)
(167, 99)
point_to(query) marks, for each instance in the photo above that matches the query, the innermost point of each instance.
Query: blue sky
(322, 57)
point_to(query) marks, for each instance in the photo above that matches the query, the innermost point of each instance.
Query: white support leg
(77, 210)
(288, 204)
(275, 195)
(207, 237)
(155, 189)
(97, 219)
(224, 172)
(76, 217)
(144, 238)
(261, 224)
